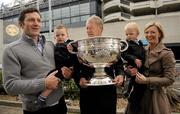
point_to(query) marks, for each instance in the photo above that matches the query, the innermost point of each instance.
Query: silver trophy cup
(100, 52)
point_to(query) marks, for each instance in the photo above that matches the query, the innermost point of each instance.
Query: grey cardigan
(25, 69)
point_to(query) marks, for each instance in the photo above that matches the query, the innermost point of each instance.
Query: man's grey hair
(97, 20)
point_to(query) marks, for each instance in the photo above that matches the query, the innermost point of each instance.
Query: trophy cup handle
(124, 45)
(71, 47)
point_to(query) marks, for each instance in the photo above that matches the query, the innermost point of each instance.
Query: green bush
(71, 90)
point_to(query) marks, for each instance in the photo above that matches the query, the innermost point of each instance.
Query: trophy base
(100, 81)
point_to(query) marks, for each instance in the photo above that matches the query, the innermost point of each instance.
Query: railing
(111, 4)
(125, 2)
(112, 16)
(126, 15)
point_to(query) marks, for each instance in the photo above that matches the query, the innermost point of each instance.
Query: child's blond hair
(132, 25)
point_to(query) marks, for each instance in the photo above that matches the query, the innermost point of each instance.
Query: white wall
(77, 33)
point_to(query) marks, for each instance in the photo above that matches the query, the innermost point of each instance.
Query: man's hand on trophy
(69, 47)
(118, 80)
(72, 47)
(113, 62)
(83, 82)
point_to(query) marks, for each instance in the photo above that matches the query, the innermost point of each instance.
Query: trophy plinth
(100, 52)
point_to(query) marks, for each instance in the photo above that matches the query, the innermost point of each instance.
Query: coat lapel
(154, 55)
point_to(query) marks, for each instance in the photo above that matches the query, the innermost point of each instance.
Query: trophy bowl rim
(97, 37)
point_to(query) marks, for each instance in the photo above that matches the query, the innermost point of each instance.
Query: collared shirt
(40, 42)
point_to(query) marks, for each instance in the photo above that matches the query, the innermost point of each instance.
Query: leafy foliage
(71, 90)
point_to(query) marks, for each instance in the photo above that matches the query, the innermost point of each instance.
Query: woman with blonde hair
(158, 75)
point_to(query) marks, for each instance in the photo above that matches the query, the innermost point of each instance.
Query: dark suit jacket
(99, 99)
(134, 51)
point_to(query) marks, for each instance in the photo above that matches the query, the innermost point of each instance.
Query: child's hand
(138, 63)
(132, 70)
(67, 72)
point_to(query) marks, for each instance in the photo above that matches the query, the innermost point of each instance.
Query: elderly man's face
(93, 29)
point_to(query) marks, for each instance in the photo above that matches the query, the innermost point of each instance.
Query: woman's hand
(140, 78)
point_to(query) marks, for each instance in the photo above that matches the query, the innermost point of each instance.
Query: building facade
(126, 10)
(165, 11)
(72, 13)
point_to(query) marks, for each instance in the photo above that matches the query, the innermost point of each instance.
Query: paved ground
(10, 110)
(13, 110)
(17, 110)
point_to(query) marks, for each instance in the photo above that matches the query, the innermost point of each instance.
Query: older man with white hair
(99, 99)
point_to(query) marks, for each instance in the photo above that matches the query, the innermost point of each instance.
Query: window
(84, 8)
(43, 24)
(56, 14)
(56, 22)
(45, 15)
(66, 21)
(74, 10)
(15, 19)
(47, 24)
(65, 12)
(84, 18)
(75, 19)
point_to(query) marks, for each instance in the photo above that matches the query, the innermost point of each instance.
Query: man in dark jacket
(99, 99)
